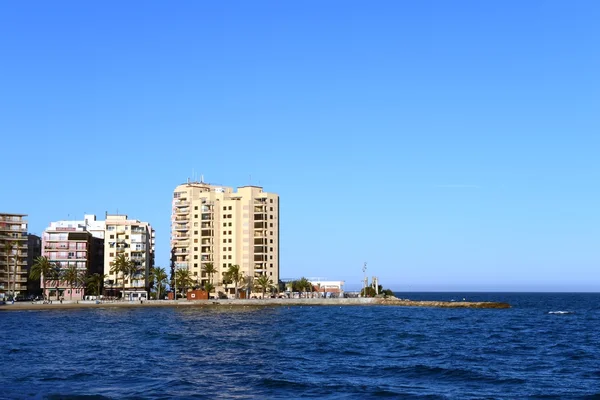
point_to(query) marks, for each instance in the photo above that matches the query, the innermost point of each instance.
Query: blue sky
(451, 145)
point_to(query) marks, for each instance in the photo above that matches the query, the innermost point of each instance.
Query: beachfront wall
(197, 295)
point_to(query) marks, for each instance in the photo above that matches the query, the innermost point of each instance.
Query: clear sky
(452, 145)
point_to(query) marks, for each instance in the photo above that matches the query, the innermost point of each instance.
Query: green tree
(209, 287)
(302, 285)
(73, 277)
(41, 269)
(159, 276)
(95, 282)
(133, 271)
(56, 275)
(234, 275)
(184, 279)
(210, 270)
(120, 265)
(264, 283)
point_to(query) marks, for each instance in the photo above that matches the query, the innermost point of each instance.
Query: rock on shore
(393, 301)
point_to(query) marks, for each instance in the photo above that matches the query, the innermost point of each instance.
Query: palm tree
(210, 270)
(41, 269)
(56, 274)
(73, 277)
(264, 283)
(304, 285)
(120, 266)
(234, 274)
(209, 287)
(184, 279)
(133, 270)
(160, 277)
(95, 282)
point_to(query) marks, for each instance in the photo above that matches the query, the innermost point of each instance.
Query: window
(195, 232)
(195, 224)
(195, 257)
(111, 254)
(229, 240)
(270, 249)
(270, 265)
(230, 257)
(224, 223)
(230, 209)
(229, 215)
(112, 236)
(229, 265)
(271, 233)
(195, 273)
(195, 249)
(224, 257)
(195, 215)
(230, 232)
(196, 207)
(230, 249)
(270, 217)
(195, 240)
(230, 224)
(195, 265)
(271, 241)
(224, 265)
(224, 208)
(224, 240)
(224, 248)
(271, 225)
(271, 200)
(126, 236)
(271, 208)
(270, 257)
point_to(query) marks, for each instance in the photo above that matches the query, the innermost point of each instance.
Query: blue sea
(546, 346)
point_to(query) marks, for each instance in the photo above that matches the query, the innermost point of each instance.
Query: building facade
(13, 255)
(69, 244)
(135, 240)
(216, 225)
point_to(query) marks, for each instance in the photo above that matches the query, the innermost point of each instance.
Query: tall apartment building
(73, 243)
(13, 254)
(134, 239)
(214, 224)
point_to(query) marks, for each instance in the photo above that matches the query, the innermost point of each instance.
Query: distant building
(13, 254)
(214, 224)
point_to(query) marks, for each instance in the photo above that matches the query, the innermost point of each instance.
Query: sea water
(545, 346)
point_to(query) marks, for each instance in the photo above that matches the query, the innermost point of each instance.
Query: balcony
(181, 219)
(180, 211)
(206, 233)
(181, 265)
(181, 237)
(206, 217)
(260, 241)
(180, 251)
(206, 249)
(183, 227)
(260, 249)
(207, 241)
(260, 217)
(259, 234)
(260, 201)
(205, 258)
(181, 203)
(260, 225)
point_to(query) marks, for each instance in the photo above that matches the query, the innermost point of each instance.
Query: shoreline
(368, 301)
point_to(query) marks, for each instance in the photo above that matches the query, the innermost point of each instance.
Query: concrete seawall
(253, 303)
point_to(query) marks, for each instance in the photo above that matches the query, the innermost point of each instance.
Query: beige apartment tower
(214, 224)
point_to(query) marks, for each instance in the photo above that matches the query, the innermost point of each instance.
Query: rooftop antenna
(202, 178)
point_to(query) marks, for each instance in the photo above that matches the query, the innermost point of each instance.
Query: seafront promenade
(368, 301)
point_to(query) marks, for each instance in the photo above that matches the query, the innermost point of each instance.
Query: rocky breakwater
(393, 301)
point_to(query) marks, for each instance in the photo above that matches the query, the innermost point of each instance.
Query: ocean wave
(560, 312)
